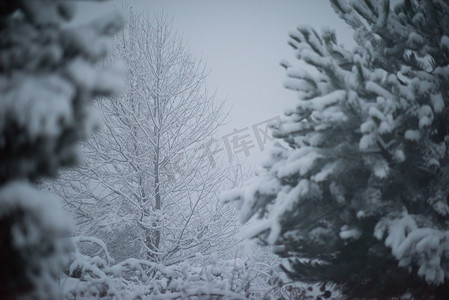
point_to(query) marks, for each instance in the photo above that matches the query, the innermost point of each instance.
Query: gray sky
(242, 42)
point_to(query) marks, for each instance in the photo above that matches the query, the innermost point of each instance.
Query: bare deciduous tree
(148, 184)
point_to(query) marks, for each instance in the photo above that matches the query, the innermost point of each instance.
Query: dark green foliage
(47, 80)
(358, 195)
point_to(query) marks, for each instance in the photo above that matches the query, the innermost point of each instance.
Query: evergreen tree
(47, 80)
(356, 191)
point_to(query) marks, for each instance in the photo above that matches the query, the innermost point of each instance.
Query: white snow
(424, 247)
(437, 102)
(39, 234)
(376, 88)
(367, 140)
(46, 206)
(320, 103)
(40, 104)
(444, 42)
(300, 162)
(399, 155)
(325, 172)
(415, 39)
(425, 116)
(412, 135)
(381, 168)
(349, 233)
(337, 192)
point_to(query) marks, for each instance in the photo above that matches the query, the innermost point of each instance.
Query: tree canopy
(356, 192)
(48, 78)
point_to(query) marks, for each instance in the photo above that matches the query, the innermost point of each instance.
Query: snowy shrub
(100, 277)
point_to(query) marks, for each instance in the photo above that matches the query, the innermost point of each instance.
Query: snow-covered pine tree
(47, 79)
(358, 194)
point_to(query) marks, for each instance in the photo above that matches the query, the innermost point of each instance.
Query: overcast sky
(242, 42)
